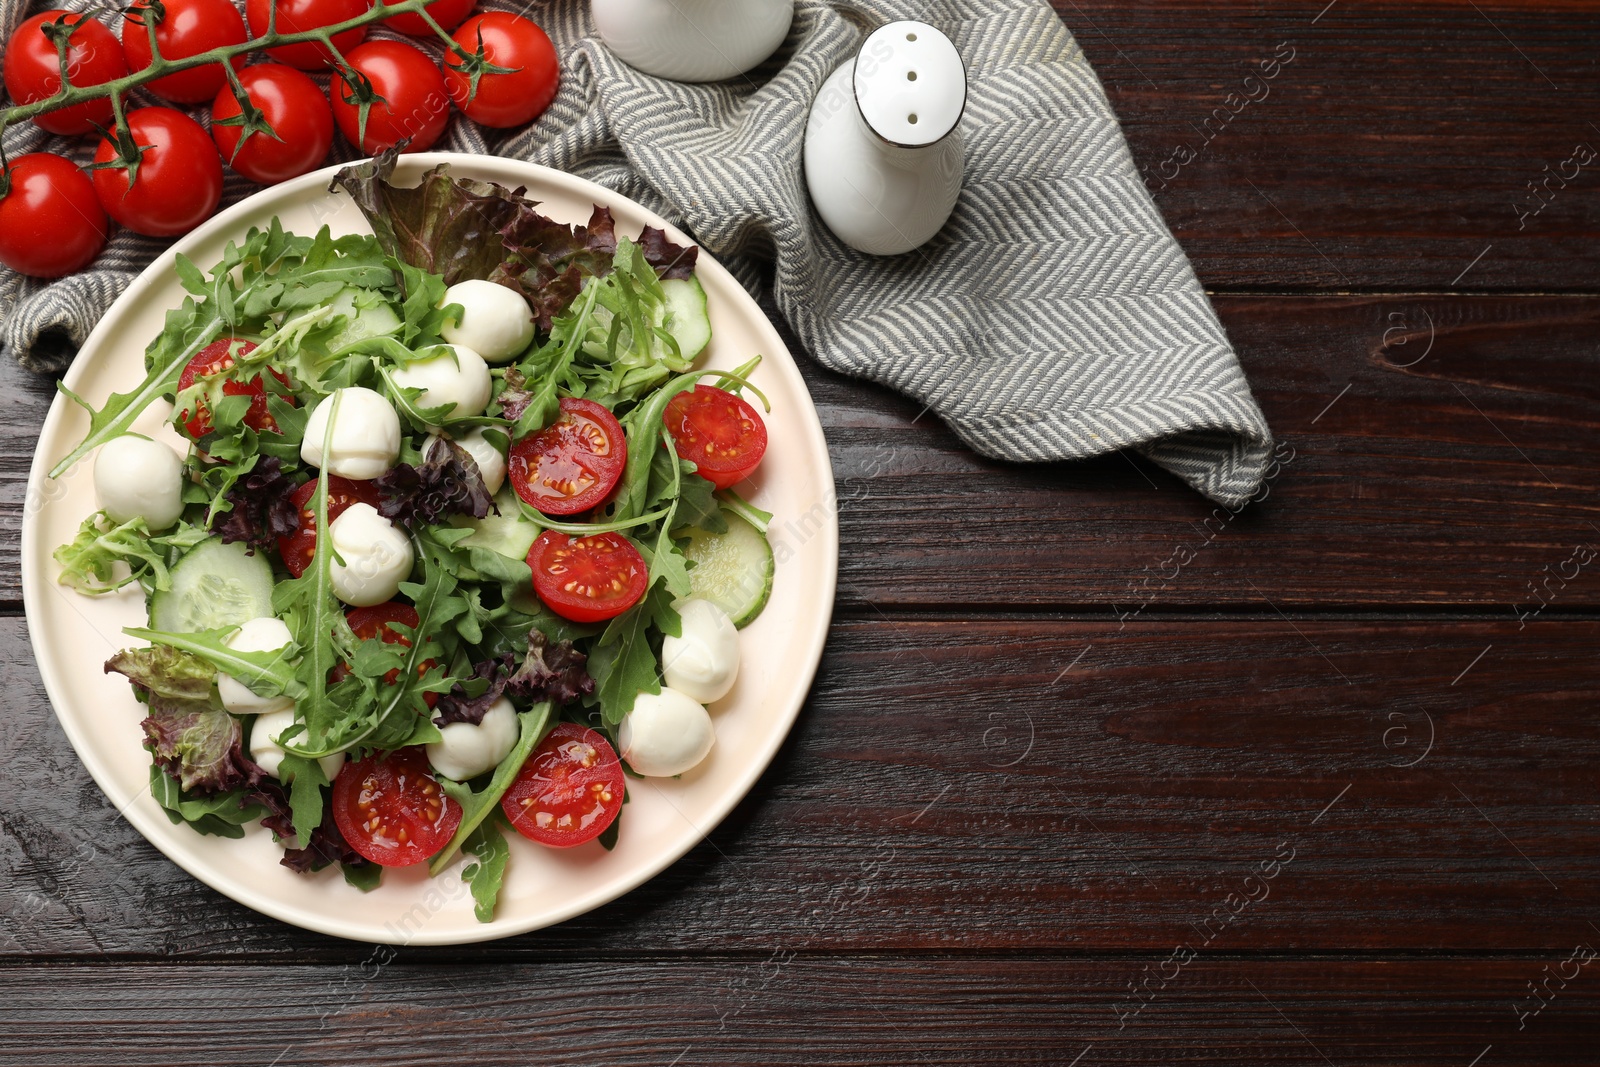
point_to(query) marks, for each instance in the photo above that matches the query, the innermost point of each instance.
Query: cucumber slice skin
(216, 585)
(733, 570)
(688, 320)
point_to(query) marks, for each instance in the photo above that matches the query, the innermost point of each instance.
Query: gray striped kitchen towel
(1054, 317)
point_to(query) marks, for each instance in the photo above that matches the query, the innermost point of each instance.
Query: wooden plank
(1018, 785)
(1438, 451)
(1381, 146)
(783, 1008)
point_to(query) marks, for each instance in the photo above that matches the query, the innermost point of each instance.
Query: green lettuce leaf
(89, 561)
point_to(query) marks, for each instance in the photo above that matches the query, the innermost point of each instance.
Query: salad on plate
(453, 545)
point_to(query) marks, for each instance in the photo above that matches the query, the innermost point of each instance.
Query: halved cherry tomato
(372, 623)
(186, 28)
(215, 358)
(573, 464)
(587, 579)
(33, 69)
(392, 810)
(718, 432)
(447, 13)
(569, 791)
(298, 548)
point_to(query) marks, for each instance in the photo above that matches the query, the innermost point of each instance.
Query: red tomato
(298, 114)
(569, 791)
(504, 99)
(572, 464)
(215, 358)
(392, 810)
(298, 548)
(447, 13)
(587, 579)
(33, 70)
(717, 432)
(189, 28)
(179, 183)
(414, 106)
(298, 16)
(51, 223)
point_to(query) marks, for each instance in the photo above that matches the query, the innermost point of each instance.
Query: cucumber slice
(367, 314)
(214, 586)
(733, 570)
(507, 533)
(687, 319)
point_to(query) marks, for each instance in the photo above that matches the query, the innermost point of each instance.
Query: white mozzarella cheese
(457, 376)
(366, 434)
(666, 733)
(704, 662)
(137, 478)
(268, 753)
(495, 321)
(258, 635)
(376, 556)
(466, 751)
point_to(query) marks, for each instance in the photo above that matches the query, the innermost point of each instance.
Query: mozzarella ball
(457, 376)
(490, 460)
(466, 751)
(495, 321)
(703, 663)
(268, 753)
(137, 478)
(257, 635)
(366, 434)
(665, 734)
(376, 556)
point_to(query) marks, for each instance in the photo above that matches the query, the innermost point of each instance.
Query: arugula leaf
(306, 779)
(488, 844)
(475, 807)
(267, 674)
(622, 662)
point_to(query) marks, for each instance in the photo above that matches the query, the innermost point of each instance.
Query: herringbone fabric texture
(1054, 317)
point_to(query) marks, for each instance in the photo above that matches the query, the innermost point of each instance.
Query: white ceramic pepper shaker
(693, 40)
(883, 154)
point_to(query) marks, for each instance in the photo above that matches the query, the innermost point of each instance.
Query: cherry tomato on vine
(414, 103)
(573, 464)
(504, 99)
(295, 109)
(33, 70)
(179, 179)
(215, 358)
(587, 579)
(188, 28)
(718, 432)
(391, 809)
(298, 16)
(570, 789)
(447, 13)
(297, 549)
(51, 223)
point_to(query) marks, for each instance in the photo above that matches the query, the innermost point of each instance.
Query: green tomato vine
(150, 13)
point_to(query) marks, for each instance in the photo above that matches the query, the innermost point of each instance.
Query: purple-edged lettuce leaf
(447, 484)
(462, 228)
(260, 509)
(553, 672)
(191, 737)
(469, 702)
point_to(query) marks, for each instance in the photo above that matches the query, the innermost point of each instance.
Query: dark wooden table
(1092, 772)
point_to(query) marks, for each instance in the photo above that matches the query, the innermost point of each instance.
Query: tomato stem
(69, 95)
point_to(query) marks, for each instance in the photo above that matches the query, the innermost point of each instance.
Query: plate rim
(160, 833)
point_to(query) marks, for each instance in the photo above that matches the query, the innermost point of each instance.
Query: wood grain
(1023, 786)
(1396, 147)
(780, 1008)
(1438, 451)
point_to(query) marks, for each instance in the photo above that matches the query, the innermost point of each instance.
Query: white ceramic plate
(74, 634)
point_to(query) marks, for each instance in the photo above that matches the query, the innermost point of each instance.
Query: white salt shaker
(693, 40)
(883, 154)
